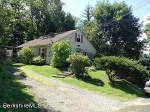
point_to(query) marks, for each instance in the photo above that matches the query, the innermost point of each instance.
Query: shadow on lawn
(13, 92)
(94, 81)
(127, 87)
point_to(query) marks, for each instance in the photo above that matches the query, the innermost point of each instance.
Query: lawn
(97, 82)
(12, 91)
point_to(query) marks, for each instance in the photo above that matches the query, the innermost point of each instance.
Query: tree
(69, 22)
(87, 13)
(61, 51)
(118, 29)
(17, 22)
(147, 29)
(25, 20)
(3, 13)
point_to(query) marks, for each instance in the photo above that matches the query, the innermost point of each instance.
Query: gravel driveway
(67, 98)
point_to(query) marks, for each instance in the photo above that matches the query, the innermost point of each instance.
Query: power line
(141, 4)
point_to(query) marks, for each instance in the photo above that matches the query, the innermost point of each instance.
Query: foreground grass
(32, 76)
(98, 82)
(13, 92)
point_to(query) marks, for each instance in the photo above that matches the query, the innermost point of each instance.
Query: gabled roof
(47, 39)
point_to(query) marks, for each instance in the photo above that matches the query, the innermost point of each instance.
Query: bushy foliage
(26, 55)
(78, 62)
(38, 61)
(122, 68)
(145, 61)
(113, 38)
(61, 51)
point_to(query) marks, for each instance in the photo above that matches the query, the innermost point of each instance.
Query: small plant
(92, 68)
(78, 62)
(26, 55)
(38, 61)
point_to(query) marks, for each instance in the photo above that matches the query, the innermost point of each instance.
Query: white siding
(48, 54)
(86, 46)
(35, 50)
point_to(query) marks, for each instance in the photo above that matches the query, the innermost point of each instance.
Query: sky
(141, 8)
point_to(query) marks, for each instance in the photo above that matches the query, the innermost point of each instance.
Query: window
(84, 53)
(78, 38)
(42, 54)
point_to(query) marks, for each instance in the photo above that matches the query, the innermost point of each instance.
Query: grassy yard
(97, 82)
(12, 91)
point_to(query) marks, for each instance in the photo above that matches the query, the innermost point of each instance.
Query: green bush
(38, 61)
(26, 55)
(61, 50)
(145, 61)
(122, 68)
(78, 62)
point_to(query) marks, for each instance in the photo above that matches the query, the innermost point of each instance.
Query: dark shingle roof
(45, 40)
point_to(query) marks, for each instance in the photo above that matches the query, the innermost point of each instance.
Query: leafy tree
(145, 61)
(78, 62)
(118, 30)
(147, 29)
(26, 55)
(69, 22)
(61, 51)
(17, 22)
(4, 25)
(25, 20)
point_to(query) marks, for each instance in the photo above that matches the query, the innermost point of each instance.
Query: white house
(42, 45)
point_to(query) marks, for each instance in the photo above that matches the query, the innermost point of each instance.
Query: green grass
(32, 76)
(12, 91)
(44, 70)
(97, 82)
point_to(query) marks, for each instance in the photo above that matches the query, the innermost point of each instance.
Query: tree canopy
(147, 29)
(24, 20)
(114, 30)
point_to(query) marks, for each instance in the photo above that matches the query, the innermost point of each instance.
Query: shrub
(38, 61)
(78, 62)
(61, 51)
(145, 61)
(26, 55)
(122, 68)
(92, 68)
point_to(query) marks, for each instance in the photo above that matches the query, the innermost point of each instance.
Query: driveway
(67, 98)
(137, 105)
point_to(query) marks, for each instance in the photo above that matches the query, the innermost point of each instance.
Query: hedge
(122, 68)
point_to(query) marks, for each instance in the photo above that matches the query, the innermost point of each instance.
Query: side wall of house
(84, 46)
(38, 50)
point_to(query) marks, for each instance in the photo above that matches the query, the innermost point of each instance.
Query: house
(42, 45)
